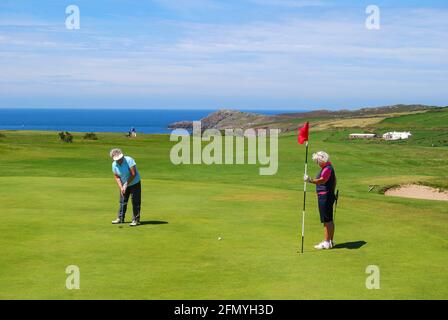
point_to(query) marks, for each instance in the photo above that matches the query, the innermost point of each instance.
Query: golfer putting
(325, 183)
(127, 177)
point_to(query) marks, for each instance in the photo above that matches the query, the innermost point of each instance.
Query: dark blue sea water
(100, 120)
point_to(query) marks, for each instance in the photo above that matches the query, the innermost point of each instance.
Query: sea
(103, 120)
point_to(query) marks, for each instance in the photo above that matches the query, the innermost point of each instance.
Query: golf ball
(219, 238)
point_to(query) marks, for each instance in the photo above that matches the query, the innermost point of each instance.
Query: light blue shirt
(124, 170)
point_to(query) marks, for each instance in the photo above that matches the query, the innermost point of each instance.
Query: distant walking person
(325, 187)
(128, 181)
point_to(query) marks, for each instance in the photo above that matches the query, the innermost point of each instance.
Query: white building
(396, 135)
(362, 136)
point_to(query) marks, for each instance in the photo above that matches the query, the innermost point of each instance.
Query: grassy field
(429, 120)
(58, 199)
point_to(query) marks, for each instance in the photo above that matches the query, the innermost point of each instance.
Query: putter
(336, 205)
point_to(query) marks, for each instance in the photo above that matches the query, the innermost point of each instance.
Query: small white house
(362, 136)
(396, 135)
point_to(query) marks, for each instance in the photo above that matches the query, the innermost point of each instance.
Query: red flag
(303, 133)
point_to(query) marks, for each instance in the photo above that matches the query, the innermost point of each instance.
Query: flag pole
(304, 196)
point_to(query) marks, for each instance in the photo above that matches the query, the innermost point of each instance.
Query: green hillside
(430, 120)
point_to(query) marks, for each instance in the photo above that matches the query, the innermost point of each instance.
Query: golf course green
(58, 200)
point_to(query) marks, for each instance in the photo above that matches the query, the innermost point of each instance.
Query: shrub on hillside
(66, 137)
(90, 136)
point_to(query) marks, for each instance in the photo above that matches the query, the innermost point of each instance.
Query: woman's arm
(120, 185)
(318, 181)
(133, 171)
(326, 174)
(322, 180)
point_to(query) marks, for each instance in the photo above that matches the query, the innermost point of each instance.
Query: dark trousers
(136, 192)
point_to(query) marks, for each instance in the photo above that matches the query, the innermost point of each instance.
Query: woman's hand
(123, 188)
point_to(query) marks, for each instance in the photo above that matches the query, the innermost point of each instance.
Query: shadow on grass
(142, 223)
(350, 245)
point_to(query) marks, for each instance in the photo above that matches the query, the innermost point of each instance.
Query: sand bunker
(417, 192)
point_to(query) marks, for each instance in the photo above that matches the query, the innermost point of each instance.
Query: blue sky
(247, 54)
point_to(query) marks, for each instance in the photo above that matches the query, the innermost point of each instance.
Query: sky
(209, 54)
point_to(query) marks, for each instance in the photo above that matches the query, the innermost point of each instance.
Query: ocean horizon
(105, 120)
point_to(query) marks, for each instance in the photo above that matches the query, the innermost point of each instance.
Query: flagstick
(304, 197)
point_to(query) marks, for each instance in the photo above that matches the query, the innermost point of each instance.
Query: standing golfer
(128, 181)
(325, 187)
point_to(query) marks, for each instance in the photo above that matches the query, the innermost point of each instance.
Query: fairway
(58, 200)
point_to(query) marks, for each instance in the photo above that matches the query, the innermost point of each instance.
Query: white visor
(118, 157)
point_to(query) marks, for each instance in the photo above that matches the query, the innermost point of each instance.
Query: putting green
(58, 199)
